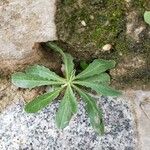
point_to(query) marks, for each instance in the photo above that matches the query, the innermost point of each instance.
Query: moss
(105, 23)
(142, 5)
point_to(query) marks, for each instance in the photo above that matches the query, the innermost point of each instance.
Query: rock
(20, 130)
(134, 26)
(22, 24)
(106, 47)
(83, 23)
(142, 107)
(91, 17)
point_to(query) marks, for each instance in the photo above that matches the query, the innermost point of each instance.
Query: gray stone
(19, 130)
(142, 115)
(22, 24)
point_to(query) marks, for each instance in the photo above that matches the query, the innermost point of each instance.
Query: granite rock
(19, 130)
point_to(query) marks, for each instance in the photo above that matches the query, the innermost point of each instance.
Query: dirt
(8, 92)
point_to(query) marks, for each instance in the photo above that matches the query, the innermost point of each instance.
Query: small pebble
(83, 23)
(91, 17)
(120, 54)
(107, 47)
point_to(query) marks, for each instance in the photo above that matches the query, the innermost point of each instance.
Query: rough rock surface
(22, 24)
(142, 107)
(19, 130)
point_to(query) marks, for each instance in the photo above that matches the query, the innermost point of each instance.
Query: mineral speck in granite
(22, 131)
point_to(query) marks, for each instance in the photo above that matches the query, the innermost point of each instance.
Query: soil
(8, 92)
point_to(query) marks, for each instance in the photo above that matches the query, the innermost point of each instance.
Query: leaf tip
(28, 109)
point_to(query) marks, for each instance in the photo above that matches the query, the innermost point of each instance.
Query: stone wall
(22, 24)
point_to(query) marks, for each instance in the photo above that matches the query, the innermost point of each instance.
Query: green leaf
(83, 64)
(67, 108)
(67, 59)
(96, 67)
(95, 114)
(69, 65)
(100, 78)
(41, 101)
(100, 88)
(42, 72)
(147, 17)
(53, 46)
(29, 81)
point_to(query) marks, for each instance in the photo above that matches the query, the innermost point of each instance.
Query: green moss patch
(85, 26)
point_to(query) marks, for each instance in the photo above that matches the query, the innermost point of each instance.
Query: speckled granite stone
(22, 131)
